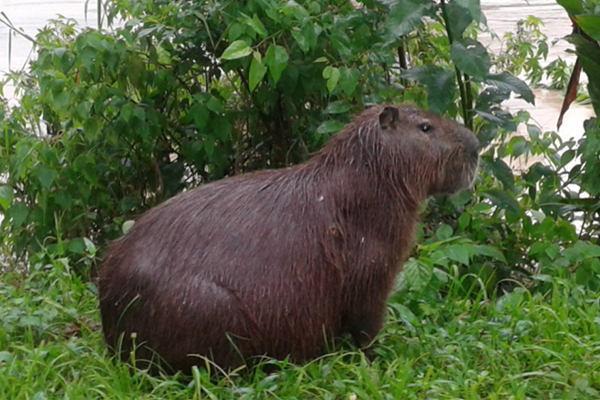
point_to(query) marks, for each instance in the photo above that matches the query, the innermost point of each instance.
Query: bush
(112, 123)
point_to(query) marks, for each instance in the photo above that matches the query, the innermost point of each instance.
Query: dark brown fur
(276, 262)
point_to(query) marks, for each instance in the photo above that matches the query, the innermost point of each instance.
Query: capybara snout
(278, 262)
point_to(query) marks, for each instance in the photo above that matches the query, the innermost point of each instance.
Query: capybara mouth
(470, 154)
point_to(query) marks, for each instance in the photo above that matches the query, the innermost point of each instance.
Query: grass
(520, 346)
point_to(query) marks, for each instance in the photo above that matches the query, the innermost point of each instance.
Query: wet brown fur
(276, 262)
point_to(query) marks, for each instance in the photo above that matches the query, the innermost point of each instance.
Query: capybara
(275, 263)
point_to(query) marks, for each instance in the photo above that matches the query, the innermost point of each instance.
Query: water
(31, 15)
(502, 17)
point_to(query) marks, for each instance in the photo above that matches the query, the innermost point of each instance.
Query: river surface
(502, 16)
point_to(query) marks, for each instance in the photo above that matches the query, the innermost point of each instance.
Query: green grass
(521, 346)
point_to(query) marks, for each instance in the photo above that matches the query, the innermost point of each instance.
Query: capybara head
(430, 154)
(277, 263)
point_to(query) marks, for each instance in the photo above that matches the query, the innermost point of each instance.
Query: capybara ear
(389, 117)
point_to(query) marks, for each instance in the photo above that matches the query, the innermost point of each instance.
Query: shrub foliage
(112, 122)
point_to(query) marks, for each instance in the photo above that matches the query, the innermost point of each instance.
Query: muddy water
(502, 16)
(31, 16)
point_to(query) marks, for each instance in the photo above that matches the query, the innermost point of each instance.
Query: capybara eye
(425, 128)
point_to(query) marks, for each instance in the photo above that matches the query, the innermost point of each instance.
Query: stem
(402, 57)
(469, 108)
(99, 14)
(403, 62)
(466, 100)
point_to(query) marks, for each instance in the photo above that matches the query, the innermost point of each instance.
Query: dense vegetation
(501, 297)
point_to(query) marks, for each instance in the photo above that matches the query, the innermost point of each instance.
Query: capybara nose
(472, 146)
(474, 151)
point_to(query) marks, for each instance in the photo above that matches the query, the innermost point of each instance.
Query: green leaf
(503, 200)
(331, 126)
(6, 196)
(552, 250)
(332, 75)
(200, 115)
(88, 58)
(440, 85)
(127, 225)
(90, 174)
(490, 251)
(506, 81)
(338, 107)
(39, 395)
(209, 147)
(139, 113)
(89, 246)
(349, 78)
(277, 60)
(45, 175)
(543, 278)
(91, 127)
(464, 220)
(18, 212)
(220, 127)
(6, 357)
(594, 264)
(459, 19)
(257, 71)
(587, 249)
(471, 58)
(459, 253)
(64, 199)
(309, 32)
(534, 132)
(126, 112)
(237, 49)
(567, 157)
(517, 146)
(62, 100)
(584, 275)
(461, 198)
(573, 7)
(215, 106)
(301, 40)
(235, 31)
(257, 26)
(418, 274)
(77, 246)
(473, 6)
(83, 110)
(504, 173)
(407, 316)
(406, 16)
(537, 248)
(342, 43)
(444, 232)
